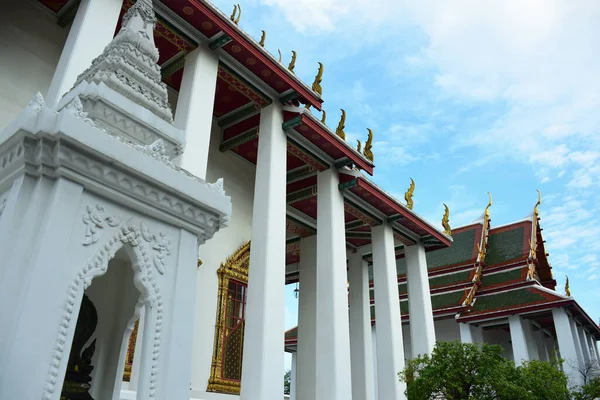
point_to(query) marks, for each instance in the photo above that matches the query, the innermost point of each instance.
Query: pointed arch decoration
(226, 367)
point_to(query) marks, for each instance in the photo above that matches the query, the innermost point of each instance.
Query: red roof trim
(311, 97)
(375, 191)
(344, 148)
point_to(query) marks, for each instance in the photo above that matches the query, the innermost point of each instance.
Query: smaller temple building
(495, 285)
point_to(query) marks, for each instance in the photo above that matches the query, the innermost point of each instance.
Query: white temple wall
(446, 330)
(30, 46)
(238, 177)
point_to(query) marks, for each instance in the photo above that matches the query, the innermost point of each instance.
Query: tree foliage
(457, 371)
(287, 382)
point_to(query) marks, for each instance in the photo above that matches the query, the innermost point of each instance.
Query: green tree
(590, 391)
(457, 371)
(287, 382)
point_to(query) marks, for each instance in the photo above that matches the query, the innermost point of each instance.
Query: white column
(137, 352)
(265, 309)
(566, 345)
(422, 331)
(293, 377)
(306, 375)
(178, 371)
(375, 376)
(194, 113)
(361, 348)
(333, 336)
(93, 28)
(519, 339)
(540, 343)
(390, 350)
(585, 348)
(575, 334)
(532, 348)
(592, 345)
(466, 334)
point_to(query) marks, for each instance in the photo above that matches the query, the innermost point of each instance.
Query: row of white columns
(577, 347)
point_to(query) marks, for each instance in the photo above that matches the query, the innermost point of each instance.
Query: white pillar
(592, 345)
(178, 371)
(265, 309)
(519, 339)
(532, 348)
(333, 336)
(422, 331)
(390, 351)
(375, 376)
(466, 334)
(585, 348)
(575, 334)
(194, 113)
(306, 374)
(566, 345)
(93, 28)
(293, 377)
(540, 343)
(137, 352)
(363, 386)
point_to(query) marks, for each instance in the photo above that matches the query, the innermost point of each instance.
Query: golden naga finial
(316, 86)
(324, 118)
(359, 147)
(368, 146)
(236, 14)
(535, 208)
(342, 124)
(263, 37)
(487, 208)
(567, 288)
(279, 51)
(292, 63)
(446, 221)
(409, 195)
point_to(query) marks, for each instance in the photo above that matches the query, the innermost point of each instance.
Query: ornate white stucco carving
(128, 64)
(160, 244)
(37, 104)
(94, 220)
(76, 108)
(217, 187)
(127, 235)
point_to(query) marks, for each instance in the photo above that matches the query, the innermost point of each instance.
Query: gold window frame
(234, 268)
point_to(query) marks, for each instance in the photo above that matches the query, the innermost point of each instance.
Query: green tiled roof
(509, 299)
(505, 246)
(461, 250)
(446, 300)
(501, 277)
(292, 334)
(450, 279)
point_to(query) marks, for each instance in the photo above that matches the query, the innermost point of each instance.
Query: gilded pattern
(242, 88)
(479, 262)
(532, 258)
(130, 352)
(227, 355)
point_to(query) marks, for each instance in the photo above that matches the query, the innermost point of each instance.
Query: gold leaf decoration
(409, 195)
(487, 208)
(324, 118)
(567, 288)
(359, 147)
(292, 64)
(446, 221)
(263, 37)
(368, 146)
(237, 20)
(279, 51)
(341, 125)
(535, 208)
(233, 14)
(316, 86)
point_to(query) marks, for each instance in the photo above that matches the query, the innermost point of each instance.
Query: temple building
(163, 176)
(494, 285)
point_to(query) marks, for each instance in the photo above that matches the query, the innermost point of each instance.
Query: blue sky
(465, 97)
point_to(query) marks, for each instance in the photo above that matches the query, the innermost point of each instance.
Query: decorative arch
(127, 236)
(226, 368)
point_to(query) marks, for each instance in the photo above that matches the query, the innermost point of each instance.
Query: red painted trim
(366, 185)
(343, 147)
(312, 98)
